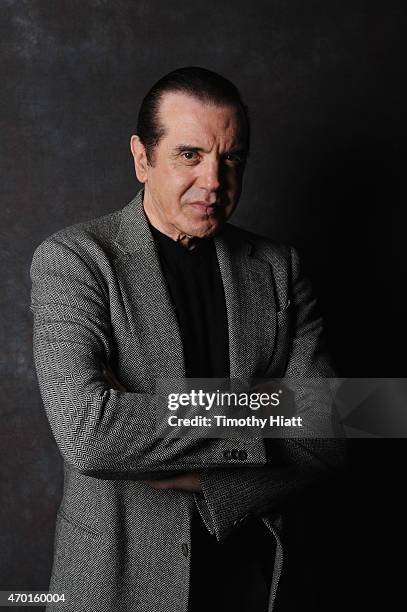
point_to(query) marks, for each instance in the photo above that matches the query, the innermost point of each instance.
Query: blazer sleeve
(100, 431)
(229, 496)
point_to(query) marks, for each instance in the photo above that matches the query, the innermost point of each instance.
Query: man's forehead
(184, 116)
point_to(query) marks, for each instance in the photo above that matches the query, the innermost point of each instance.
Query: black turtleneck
(195, 285)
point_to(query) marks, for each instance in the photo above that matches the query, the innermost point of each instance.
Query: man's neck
(154, 218)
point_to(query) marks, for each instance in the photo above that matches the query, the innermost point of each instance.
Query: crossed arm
(101, 430)
(104, 431)
(189, 481)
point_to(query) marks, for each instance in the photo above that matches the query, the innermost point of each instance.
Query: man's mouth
(204, 207)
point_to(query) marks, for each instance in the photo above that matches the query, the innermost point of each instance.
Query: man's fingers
(184, 482)
(167, 483)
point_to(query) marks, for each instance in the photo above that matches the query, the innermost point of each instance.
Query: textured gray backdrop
(325, 83)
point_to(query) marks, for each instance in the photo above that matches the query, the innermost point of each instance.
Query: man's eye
(234, 158)
(189, 155)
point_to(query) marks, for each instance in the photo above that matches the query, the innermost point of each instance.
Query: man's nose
(209, 178)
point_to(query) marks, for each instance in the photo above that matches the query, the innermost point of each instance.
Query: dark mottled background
(325, 83)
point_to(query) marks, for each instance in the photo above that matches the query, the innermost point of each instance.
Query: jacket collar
(134, 231)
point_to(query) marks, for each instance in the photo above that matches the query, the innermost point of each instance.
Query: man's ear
(140, 158)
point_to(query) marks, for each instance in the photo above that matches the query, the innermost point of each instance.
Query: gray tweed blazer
(99, 296)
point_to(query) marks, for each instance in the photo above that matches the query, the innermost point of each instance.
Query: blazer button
(226, 454)
(235, 453)
(242, 455)
(184, 548)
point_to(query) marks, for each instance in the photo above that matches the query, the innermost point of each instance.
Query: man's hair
(205, 85)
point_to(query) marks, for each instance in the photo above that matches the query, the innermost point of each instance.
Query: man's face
(195, 181)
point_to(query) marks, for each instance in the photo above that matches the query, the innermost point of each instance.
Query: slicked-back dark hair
(200, 83)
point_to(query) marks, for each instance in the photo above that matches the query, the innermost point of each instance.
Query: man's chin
(205, 230)
(205, 226)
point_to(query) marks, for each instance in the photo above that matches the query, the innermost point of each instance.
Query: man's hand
(183, 482)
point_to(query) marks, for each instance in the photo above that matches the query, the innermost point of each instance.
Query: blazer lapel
(149, 304)
(249, 296)
(250, 305)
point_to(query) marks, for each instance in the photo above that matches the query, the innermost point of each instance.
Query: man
(165, 288)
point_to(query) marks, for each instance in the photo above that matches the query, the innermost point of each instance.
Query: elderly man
(165, 288)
